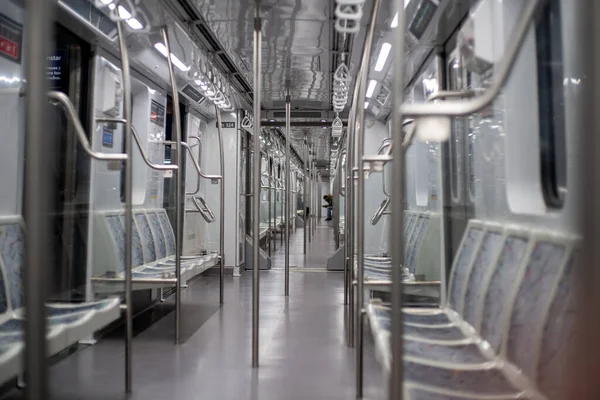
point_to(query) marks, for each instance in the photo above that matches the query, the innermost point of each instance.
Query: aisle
(320, 247)
(302, 350)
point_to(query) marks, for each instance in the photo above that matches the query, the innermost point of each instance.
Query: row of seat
(67, 323)
(153, 252)
(276, 225)
(422, 234)
(509, 310)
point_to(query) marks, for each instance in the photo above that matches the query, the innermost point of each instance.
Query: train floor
(303, 354)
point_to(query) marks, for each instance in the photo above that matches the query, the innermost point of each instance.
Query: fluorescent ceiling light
(105, 2)
(383, 55)
(162, 49)
(371, 88)
(123, 13)
(179, 64)
(366, 105)
(134, 24)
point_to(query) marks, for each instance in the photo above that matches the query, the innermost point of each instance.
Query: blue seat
(67, 323)
(520, 312)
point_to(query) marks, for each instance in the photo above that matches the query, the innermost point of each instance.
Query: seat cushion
(483, 381)
(463, 354)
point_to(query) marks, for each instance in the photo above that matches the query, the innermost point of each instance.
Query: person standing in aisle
(329, 199)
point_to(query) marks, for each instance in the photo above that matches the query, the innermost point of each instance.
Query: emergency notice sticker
(11, 39)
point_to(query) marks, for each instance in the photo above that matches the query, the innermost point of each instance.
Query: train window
(551, 104)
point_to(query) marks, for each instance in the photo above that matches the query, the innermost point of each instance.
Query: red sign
(11, 37)
(9, 48)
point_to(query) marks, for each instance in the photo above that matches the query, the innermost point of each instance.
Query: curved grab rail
(158, 167)
(464, 108)
(198, 144)
(204, 209)
(71, 114)
(195, 163)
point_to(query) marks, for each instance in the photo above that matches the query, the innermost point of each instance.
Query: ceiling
(300, 51)
(295, 48)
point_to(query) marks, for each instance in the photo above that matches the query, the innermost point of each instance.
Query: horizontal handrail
(463, 108)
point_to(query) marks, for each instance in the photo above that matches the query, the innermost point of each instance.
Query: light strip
(162, 49)
(383, 55)
(366, 105)
(371, 88)
(124, 14)
(395, 20)
(134, 24)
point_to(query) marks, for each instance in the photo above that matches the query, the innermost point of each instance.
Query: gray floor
(303, 354)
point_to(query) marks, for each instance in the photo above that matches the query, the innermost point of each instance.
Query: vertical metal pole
(38, 31)
(360, 203)
(127, 106)
(305, 191)
(316, 194)
(256, 198)
(350, 211)
(282, 206)
(270, 197)
(221, 208)
(178, 188)
(310, 194)
(397, 217)
(288, 184)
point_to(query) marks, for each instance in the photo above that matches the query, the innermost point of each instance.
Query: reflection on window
(551, 105)
(471, 137)
(454, 83)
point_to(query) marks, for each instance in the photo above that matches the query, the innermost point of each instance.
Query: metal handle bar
(204, 209)
(198, 144)
(158, 167)
(198, 169)
(381, 211)
(71, 114)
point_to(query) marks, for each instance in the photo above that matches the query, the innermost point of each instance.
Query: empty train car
(299, 199)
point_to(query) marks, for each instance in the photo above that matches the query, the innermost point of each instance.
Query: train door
(458, 174)
(68, 71)
(170, 184)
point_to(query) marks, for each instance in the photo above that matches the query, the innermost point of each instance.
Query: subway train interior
(299, 199)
